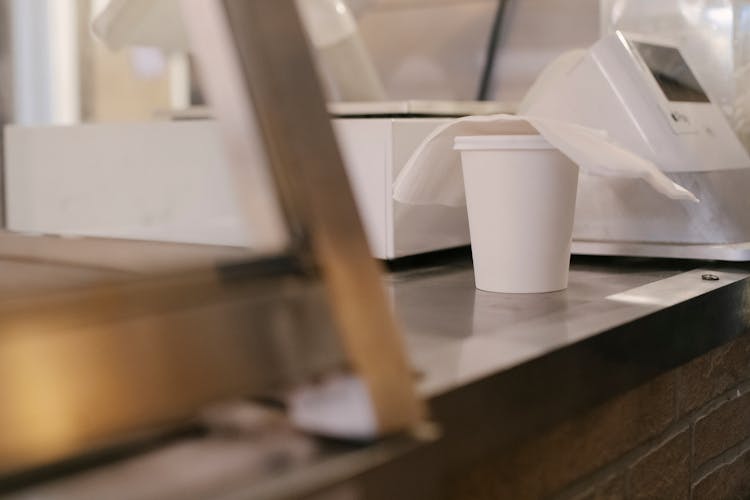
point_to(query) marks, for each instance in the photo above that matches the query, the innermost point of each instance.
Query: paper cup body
(520, 196)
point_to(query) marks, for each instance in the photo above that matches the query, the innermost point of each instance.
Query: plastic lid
(492, 142)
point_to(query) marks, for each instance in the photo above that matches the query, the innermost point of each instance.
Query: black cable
(492, 46)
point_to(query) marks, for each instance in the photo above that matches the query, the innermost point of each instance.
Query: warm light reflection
(35, 384)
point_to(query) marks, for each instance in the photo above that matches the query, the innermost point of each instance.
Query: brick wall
(685, 434)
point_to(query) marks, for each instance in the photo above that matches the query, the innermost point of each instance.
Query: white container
(168, 181)
(521, 196)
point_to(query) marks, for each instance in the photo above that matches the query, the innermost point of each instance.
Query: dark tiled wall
(685, 434)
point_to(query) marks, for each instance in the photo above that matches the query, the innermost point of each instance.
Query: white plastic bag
(432, 176)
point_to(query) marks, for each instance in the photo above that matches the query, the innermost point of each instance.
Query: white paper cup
(521, 196)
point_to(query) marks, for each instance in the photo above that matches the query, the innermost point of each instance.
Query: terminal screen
(672, 73)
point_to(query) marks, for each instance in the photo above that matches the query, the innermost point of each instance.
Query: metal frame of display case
(82, 371)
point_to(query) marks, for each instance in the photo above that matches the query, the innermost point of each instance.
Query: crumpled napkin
(432, 175)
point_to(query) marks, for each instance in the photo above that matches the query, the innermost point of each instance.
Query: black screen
(672, 73)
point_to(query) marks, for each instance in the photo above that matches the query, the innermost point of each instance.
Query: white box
(168, 181)
(375, 150)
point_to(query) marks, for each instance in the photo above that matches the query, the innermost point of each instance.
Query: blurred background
(127, 64)
(68, 62)
(54, 71)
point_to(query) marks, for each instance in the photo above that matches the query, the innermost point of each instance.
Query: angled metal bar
(280, 80)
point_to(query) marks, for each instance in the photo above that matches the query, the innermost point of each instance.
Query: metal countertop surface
(470, 346)
(457, 334)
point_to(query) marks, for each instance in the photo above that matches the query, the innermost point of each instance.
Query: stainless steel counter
(457, 334)
(483, 360)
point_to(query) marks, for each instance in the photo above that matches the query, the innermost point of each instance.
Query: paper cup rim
(500, 142)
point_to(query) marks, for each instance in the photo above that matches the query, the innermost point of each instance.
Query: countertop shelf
(487, 362)
(458, 335)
